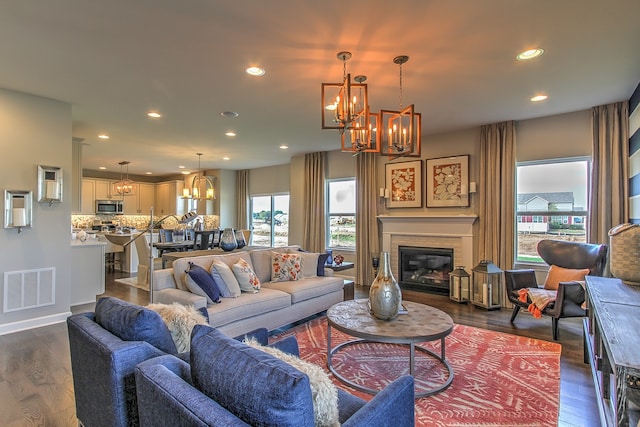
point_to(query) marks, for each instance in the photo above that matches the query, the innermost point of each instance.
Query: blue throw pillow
(204, 281)
(131, 322)
(255, 386)
(322, 262)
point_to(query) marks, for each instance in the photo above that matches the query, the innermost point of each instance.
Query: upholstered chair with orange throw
(562, 294)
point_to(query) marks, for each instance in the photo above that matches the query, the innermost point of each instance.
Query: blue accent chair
(229, 383)
(105, 348)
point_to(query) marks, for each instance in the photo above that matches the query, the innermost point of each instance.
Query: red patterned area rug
(499, 379)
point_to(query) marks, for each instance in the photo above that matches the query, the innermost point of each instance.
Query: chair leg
(554, 327)
(516, 309)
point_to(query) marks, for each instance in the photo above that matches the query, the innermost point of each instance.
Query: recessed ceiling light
(539, 98)
(226, 158)
(185, 172)
(529, 54)
(148, 173)
(284, 147)
(229, 114)
(180, 167)
(102, 168)
(256, 71)
(154, 114)
(103, 136)
(230, 133)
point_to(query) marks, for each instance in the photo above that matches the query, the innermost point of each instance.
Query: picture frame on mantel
(404, 182)
(447, 182)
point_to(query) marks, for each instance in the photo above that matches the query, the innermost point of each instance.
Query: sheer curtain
(367, 240)
(314, 212)
(242, 199)
(608, 202)
(497, 194)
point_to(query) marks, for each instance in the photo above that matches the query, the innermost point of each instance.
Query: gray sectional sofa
(275, 305)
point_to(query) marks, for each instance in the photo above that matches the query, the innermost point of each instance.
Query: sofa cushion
(225, 279)
(309, 263)
(559, 274)
(200, 282)
(131, 322)
(247, 279)
(308, 288)
(247, 305)
(323, 391)
(256, 387)
(286, 267)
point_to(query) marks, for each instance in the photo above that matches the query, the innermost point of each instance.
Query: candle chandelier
(202, 187)
(400, 129)
(345, 107)
(124, 187)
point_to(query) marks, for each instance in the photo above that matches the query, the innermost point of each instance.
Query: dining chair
(165, 235)
(204, 239)
(143, 261)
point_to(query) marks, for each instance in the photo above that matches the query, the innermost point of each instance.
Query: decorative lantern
(459, 286)
(487, 285)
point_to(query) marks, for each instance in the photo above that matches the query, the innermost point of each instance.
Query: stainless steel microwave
(113, 207)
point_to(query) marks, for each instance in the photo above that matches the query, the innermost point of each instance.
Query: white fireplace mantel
(443, 231)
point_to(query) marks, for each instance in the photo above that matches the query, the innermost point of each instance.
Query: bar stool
(112, 254)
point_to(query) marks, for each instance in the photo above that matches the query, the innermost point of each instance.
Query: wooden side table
(348, 289)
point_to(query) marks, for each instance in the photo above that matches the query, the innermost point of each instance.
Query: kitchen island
(87, 270)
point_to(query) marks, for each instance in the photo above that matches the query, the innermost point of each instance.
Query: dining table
(162, 247)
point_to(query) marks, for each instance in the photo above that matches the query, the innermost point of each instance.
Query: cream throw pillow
(323, 391)
(247, 279)
(285, 267)
(559, 274)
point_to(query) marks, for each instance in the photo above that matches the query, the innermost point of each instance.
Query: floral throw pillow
(247, 278)
(285, 267)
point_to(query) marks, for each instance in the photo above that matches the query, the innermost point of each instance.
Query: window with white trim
(341, 213)
(270, 220)
(552, 197)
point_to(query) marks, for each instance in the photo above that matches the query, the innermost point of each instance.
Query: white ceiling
(114, 60)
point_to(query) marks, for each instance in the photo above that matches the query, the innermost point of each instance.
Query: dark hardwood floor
(36, 387)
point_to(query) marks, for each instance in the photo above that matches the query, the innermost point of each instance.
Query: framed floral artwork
(448, 181)
(404, 182)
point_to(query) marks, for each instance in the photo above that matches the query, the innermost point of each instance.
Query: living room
(566, 134)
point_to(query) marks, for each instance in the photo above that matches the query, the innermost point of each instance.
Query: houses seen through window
(552, 199)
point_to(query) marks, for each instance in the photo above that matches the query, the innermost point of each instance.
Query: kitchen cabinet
(142, 200)
(87, 279)
(103, 190)
(88, 197)
(169, 199)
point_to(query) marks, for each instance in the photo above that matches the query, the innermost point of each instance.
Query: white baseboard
(38, 322)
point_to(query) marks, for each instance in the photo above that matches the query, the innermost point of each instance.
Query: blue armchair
(231, 384)
(105, 347)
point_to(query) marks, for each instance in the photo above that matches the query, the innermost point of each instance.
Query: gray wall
(36, 131)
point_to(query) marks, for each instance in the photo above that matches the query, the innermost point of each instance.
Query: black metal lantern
(487, 285)
(459, 285)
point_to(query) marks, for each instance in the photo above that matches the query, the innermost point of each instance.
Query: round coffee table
(422, 323)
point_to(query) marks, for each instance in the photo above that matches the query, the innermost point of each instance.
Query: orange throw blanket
(540, 299)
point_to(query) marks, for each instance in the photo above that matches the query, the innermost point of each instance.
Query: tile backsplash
(139, 222)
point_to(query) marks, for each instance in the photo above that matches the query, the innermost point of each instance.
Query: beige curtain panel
(497, 194)
(367, 237)
(609, 203)
(242, 200)
(314, 213)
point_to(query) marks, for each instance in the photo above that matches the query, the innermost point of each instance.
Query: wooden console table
(612, 342)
